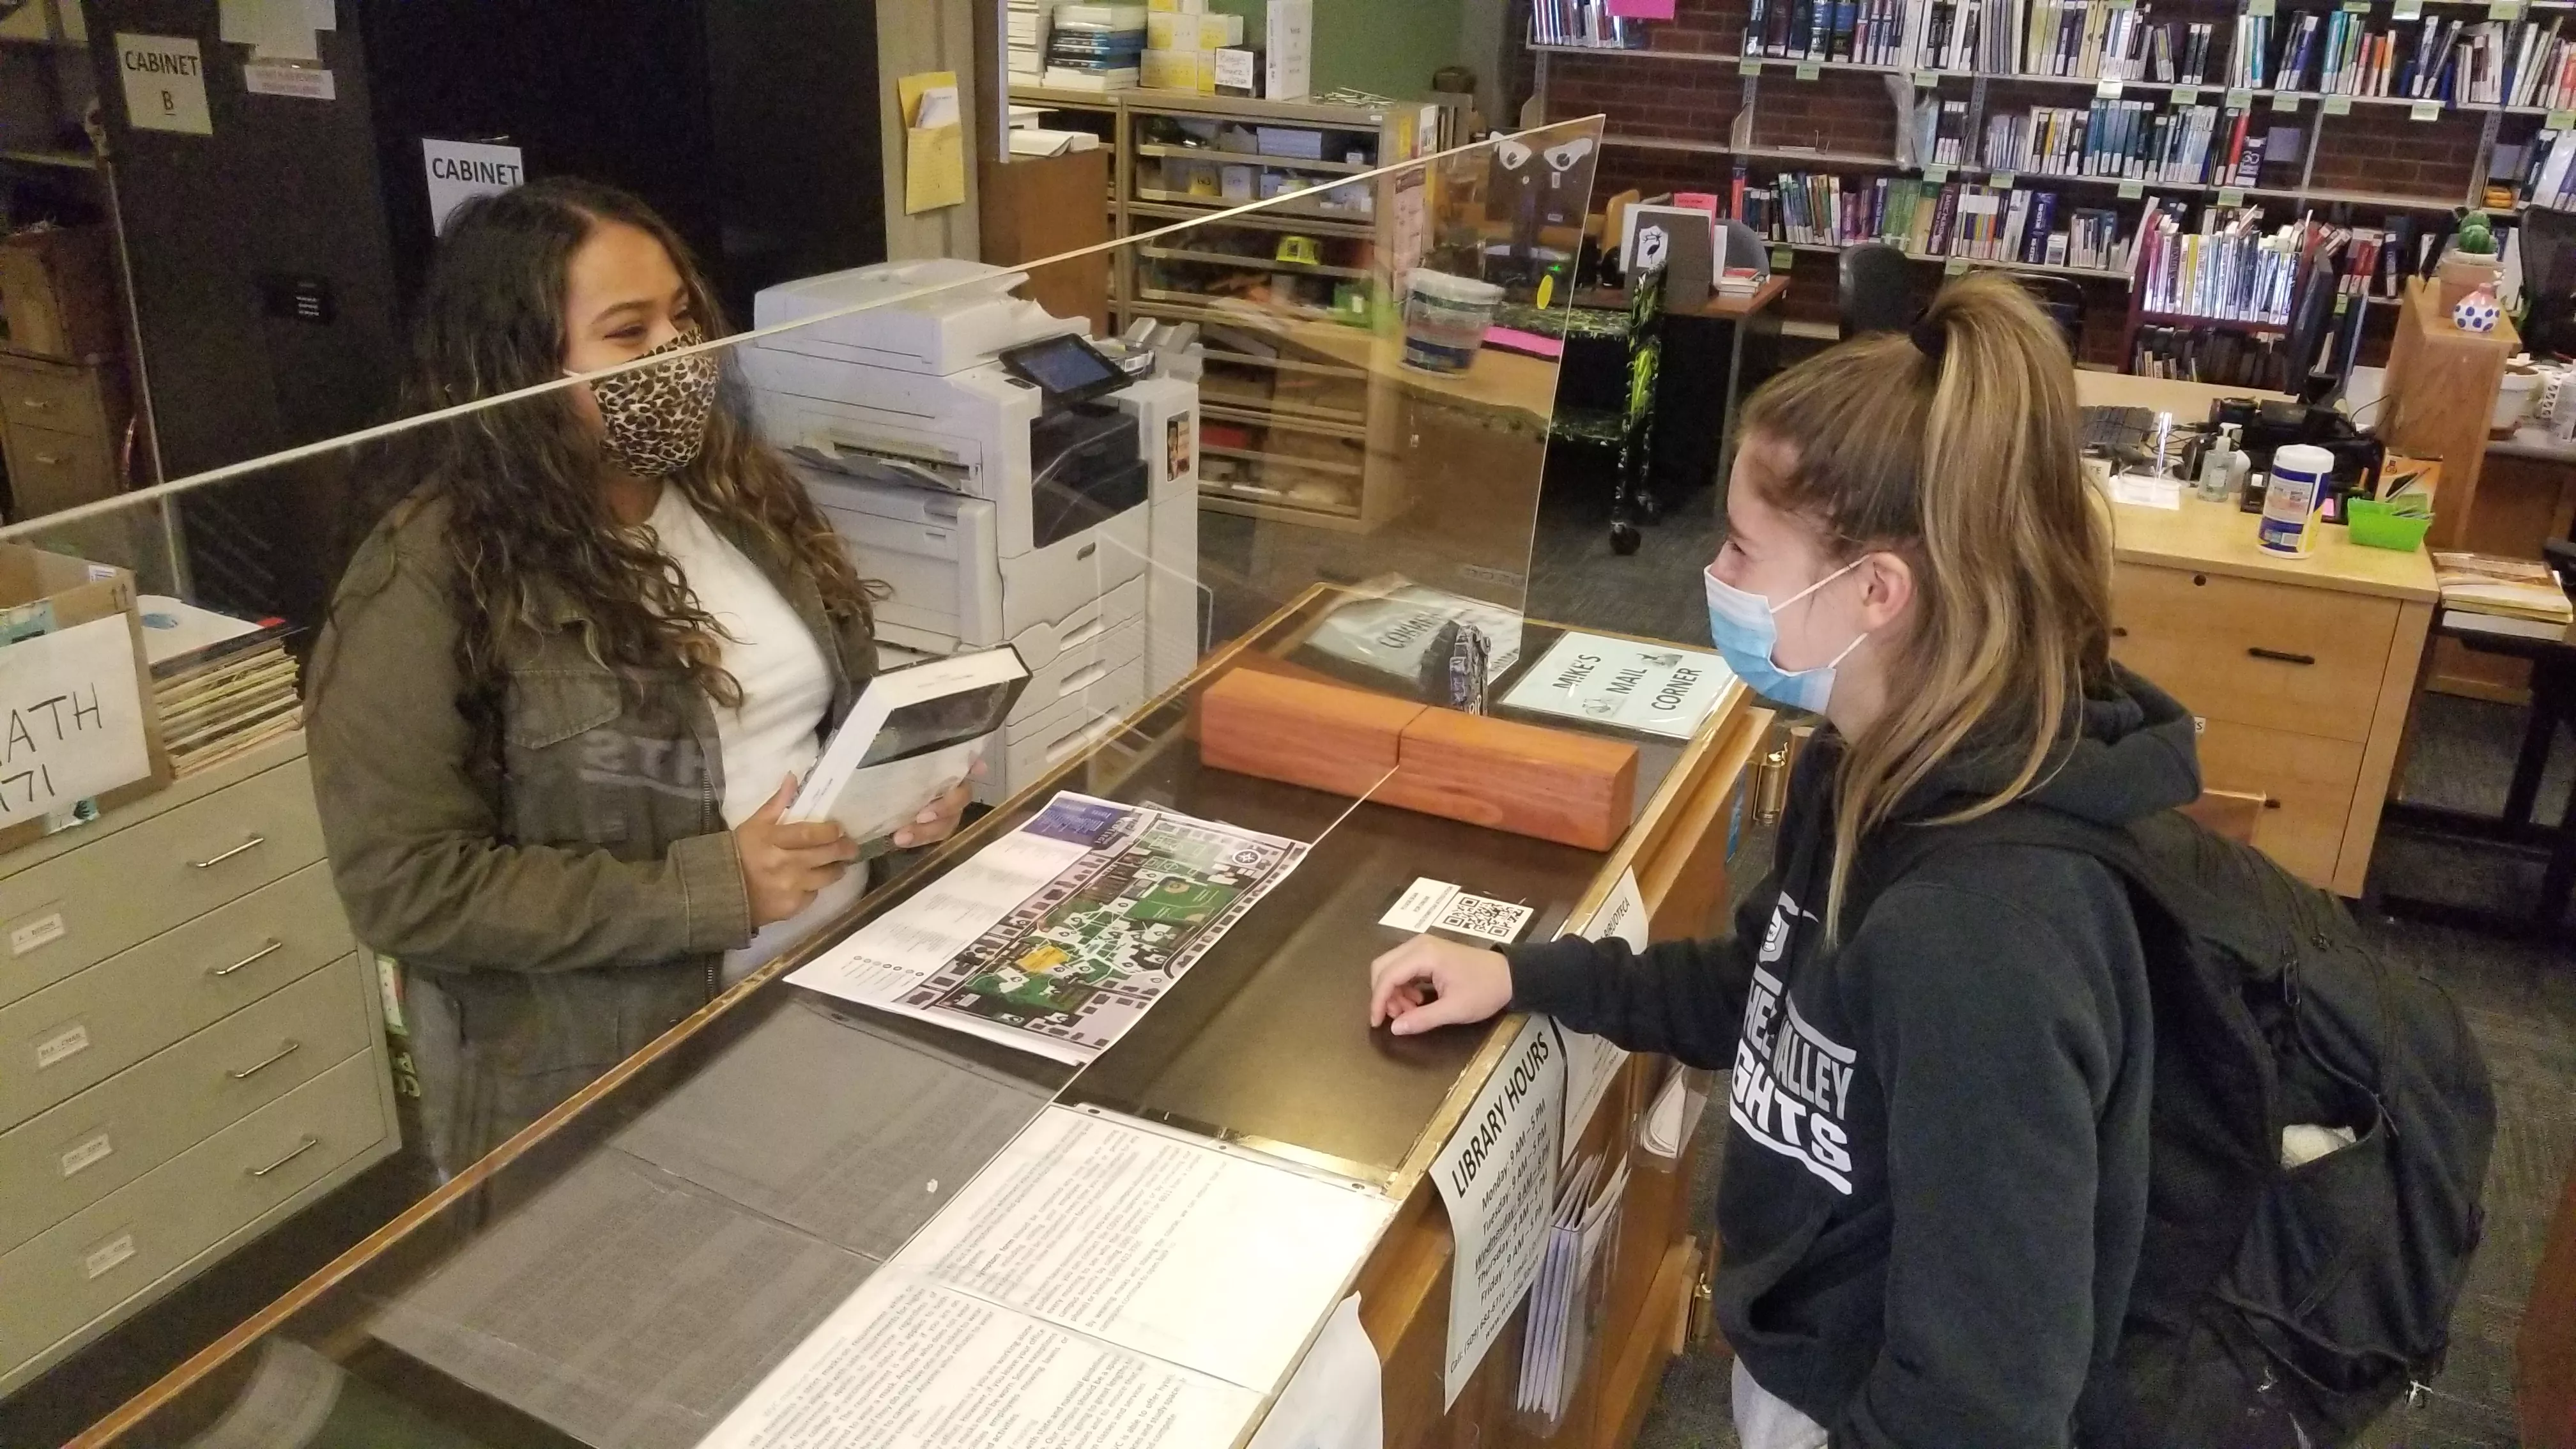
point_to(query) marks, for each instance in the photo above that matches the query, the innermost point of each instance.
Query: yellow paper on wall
(934, 142)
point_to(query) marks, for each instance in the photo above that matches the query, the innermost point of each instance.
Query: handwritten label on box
(71, 718)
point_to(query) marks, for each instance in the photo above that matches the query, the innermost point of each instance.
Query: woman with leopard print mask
(571, 676)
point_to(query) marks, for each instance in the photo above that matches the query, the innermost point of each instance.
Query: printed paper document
(1497, 1177)
(1057, 937)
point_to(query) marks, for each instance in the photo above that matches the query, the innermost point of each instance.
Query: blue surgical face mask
(1745, 632)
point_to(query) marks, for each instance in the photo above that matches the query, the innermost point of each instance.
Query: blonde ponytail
(1959, 447)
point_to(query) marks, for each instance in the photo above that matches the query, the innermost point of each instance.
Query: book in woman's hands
(915, 734)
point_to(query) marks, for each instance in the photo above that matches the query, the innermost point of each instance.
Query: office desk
(2302, 671)
(1264, 1042)
(1742, 314)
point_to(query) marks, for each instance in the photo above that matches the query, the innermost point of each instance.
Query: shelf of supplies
(1270, 415)
(1252, 158)
(1049, 97)
(1170, 307)
(1273, 310)
(1218, 203)
(1303, 226)
(1282, 460)
(2104, 274)
(1252, 264)
(1276, 507)
(67, 160)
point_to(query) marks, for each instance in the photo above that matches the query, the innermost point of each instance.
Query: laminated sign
(73, 726)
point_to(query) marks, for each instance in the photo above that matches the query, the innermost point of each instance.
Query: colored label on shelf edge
(2409, 9)
(1781, 257)
(2258, 7)
(1936, 173)
(2186, 95)
(2239, 98)
(2108, 90)
(2427, 111)
(1955, 267)
(2132, 190)
(2285, 100)
(1809, 70)
(1927, 78)
(2230, 196)
(2338, 105)
(2505, 10)
(1749, 67)
(2002, 180)
(2560, 120)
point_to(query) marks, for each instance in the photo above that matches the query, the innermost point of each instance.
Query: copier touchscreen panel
(1066, 369)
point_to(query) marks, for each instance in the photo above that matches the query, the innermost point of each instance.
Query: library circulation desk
(626, 1270)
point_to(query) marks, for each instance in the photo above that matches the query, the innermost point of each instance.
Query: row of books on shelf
(1931, 219)
(2231, 269)
(2212, 355)
(2549, 177)
(2336, 52)
(2131, 141)
(1583, 22)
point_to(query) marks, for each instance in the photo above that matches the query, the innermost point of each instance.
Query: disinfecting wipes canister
(2292, 502)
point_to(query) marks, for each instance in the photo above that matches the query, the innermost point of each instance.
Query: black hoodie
(1936, 1167)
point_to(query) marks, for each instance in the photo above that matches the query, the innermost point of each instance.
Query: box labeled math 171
(78, 733)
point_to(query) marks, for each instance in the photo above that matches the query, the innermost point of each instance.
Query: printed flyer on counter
(1057, 937)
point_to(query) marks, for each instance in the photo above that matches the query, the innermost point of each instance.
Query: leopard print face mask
(654, 419)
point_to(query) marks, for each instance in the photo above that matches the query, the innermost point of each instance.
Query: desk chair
(2062, 298)
(1875, 290)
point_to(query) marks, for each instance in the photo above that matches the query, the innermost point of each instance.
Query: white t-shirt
(786, 691)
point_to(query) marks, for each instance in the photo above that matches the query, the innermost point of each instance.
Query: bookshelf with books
(2385, 110)
(1283, 427)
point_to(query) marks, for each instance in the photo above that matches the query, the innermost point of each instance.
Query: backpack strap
(1899, 850)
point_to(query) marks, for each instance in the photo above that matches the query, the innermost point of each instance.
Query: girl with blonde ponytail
(1935, 1178)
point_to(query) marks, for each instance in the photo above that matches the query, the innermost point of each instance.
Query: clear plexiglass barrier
(1308, 446)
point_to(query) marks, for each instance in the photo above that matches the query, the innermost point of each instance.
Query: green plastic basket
(2376, 525)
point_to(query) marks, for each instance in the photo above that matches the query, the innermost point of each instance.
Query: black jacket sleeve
(1682, 998)
(1998, 1048)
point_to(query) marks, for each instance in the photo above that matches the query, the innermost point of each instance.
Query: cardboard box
(1193, 71)
(1288, 50)
(47, 596)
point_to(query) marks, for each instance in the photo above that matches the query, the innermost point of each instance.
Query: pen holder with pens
(2386, 525)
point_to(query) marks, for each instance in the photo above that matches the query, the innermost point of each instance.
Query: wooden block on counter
(1320, 735)
(1573, 789)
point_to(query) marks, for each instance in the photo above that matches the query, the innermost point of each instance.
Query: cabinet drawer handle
(254, 1069)
(212, 861)
(36, 404)
(306, 1145)
(2271, 804)
(2119, 631)
(50, 460)
(272, 948)
(2281, 656)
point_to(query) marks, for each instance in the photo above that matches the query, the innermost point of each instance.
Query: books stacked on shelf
(1024, 36)
(2355, 60)
(2249, 56)
(2230, 270)
(2548, 178)
(1095, 47)
(220, 684)
(1590, 23)
(1940, 132)
(2207, 354)
(2503, 588)
(2127, 140)
(1930, 219)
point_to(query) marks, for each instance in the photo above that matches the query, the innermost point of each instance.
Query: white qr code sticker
(1486, 919)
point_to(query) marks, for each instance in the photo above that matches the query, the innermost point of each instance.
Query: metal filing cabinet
(191, 1048)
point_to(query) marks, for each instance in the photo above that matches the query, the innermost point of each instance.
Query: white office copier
(1005, 480)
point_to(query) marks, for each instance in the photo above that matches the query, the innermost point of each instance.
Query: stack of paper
(1562, 1305)
(221, 684)
(2514, 588)
(1025, 36)
(1674, 1117)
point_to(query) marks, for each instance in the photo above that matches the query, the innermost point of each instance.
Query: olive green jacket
(563, 904)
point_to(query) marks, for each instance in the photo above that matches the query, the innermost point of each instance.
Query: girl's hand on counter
(784, 865)
(937, 820)
(1428, 982)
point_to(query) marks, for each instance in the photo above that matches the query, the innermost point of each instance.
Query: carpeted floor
(2520, 1000)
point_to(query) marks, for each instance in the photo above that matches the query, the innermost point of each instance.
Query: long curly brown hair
(527, 519)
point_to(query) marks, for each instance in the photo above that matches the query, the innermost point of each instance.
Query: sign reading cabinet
(461, 170)
(165, 84)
